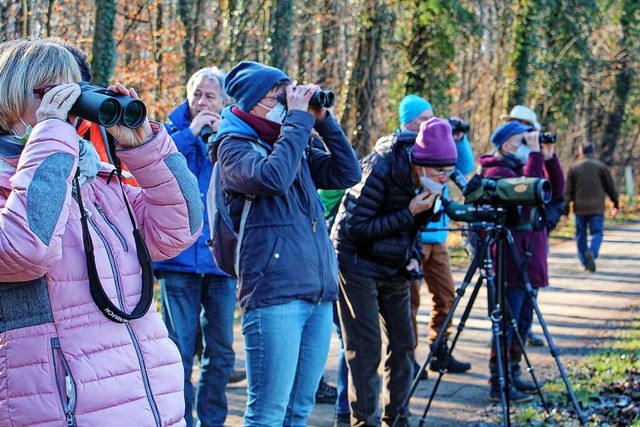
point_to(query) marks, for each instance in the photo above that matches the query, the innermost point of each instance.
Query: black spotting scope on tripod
(490, 221)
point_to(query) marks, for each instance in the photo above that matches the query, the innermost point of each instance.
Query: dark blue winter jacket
(196, 258)
(286, 253)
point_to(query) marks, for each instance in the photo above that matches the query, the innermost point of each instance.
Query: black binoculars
(320, 98)
(107, 108)
(206, 132)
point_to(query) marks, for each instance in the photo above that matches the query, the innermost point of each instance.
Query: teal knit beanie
(411, 107)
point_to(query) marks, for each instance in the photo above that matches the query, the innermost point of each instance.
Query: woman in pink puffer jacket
(62, 361)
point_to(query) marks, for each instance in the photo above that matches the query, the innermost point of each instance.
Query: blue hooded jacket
(196, 258)
(286, 253)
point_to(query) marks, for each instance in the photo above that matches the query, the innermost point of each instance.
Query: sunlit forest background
(575, 62)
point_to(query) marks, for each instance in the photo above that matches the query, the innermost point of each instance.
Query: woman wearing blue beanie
(287, 269)
(518, 152)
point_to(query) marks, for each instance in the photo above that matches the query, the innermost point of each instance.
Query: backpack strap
(248, 198)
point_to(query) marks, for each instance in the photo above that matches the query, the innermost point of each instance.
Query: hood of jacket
(180, 117)
(231, 124)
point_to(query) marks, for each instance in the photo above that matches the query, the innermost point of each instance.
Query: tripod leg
(403, 410)
(552, 348)
(460, 327)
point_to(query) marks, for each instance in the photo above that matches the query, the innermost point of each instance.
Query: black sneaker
(442, 360)
(534, 340)
(237, 376)
(416, 368)
(342, 420)
(326, 393)
(591, 261)
(514, 395)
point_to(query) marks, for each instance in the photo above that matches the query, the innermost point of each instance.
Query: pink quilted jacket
(61, 361)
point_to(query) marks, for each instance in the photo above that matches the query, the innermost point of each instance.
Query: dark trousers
(370, 308)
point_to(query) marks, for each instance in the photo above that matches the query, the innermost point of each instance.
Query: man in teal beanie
(413, 110)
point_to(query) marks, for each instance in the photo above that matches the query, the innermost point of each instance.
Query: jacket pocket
(64, 382)
(275, 257)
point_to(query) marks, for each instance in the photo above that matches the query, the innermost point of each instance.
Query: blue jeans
(595, 223)
(185, 297)
(286, 349)
(342, 386)
(521, 308)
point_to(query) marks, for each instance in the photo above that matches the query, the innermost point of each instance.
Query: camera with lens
(108, 108)
(547, 138)
(459, 126)
(320, 98)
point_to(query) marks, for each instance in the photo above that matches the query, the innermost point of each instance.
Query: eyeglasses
(440, 172)
(40, 91)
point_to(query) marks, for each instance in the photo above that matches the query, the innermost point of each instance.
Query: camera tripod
(500, 316)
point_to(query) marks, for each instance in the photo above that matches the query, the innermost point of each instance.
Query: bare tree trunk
(185, 12)
(281, 22)
(50, 5)
(358, 115)
(518, 71)
(104, 47)
(329, 60)
(623, 82)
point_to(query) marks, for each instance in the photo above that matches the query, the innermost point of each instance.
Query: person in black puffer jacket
(374, 235)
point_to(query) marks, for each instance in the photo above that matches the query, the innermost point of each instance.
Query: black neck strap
(98, 294)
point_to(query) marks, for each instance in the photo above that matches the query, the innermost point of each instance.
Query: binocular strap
(98, 294)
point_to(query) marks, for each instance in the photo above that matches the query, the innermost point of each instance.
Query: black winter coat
(374, 230)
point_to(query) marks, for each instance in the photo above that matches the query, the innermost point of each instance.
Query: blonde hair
(28, 64)
(208, 73)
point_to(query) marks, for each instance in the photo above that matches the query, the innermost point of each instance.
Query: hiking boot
(521, 384)
(534, 340)
(326, 393)
(342, 420)
(416, 368)
(590, 260)
(237, 376)
(442, 360)
(514, 395)
(495, 394)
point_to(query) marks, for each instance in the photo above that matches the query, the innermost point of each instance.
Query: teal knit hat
(411, 107)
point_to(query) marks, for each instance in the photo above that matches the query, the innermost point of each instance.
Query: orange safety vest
(97, 135)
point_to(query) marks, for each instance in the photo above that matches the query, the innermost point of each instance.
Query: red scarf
(267, 130)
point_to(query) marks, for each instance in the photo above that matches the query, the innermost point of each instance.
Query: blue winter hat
(411, 107)
(248, 82)
(506, 131)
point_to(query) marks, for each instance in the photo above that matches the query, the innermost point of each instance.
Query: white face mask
(433, 187)
(522, 153)
(275, 114)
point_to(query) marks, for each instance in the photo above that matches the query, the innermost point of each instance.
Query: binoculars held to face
(320, 98)
(107, 108)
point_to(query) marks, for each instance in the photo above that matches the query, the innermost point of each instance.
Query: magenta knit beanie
(434, 145)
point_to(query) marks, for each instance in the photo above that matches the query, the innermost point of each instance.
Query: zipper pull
(314, 223)
(70, 419)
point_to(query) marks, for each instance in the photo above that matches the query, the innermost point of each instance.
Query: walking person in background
(198, 300)
(589, 182)
(67, 229)
(287, 269)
